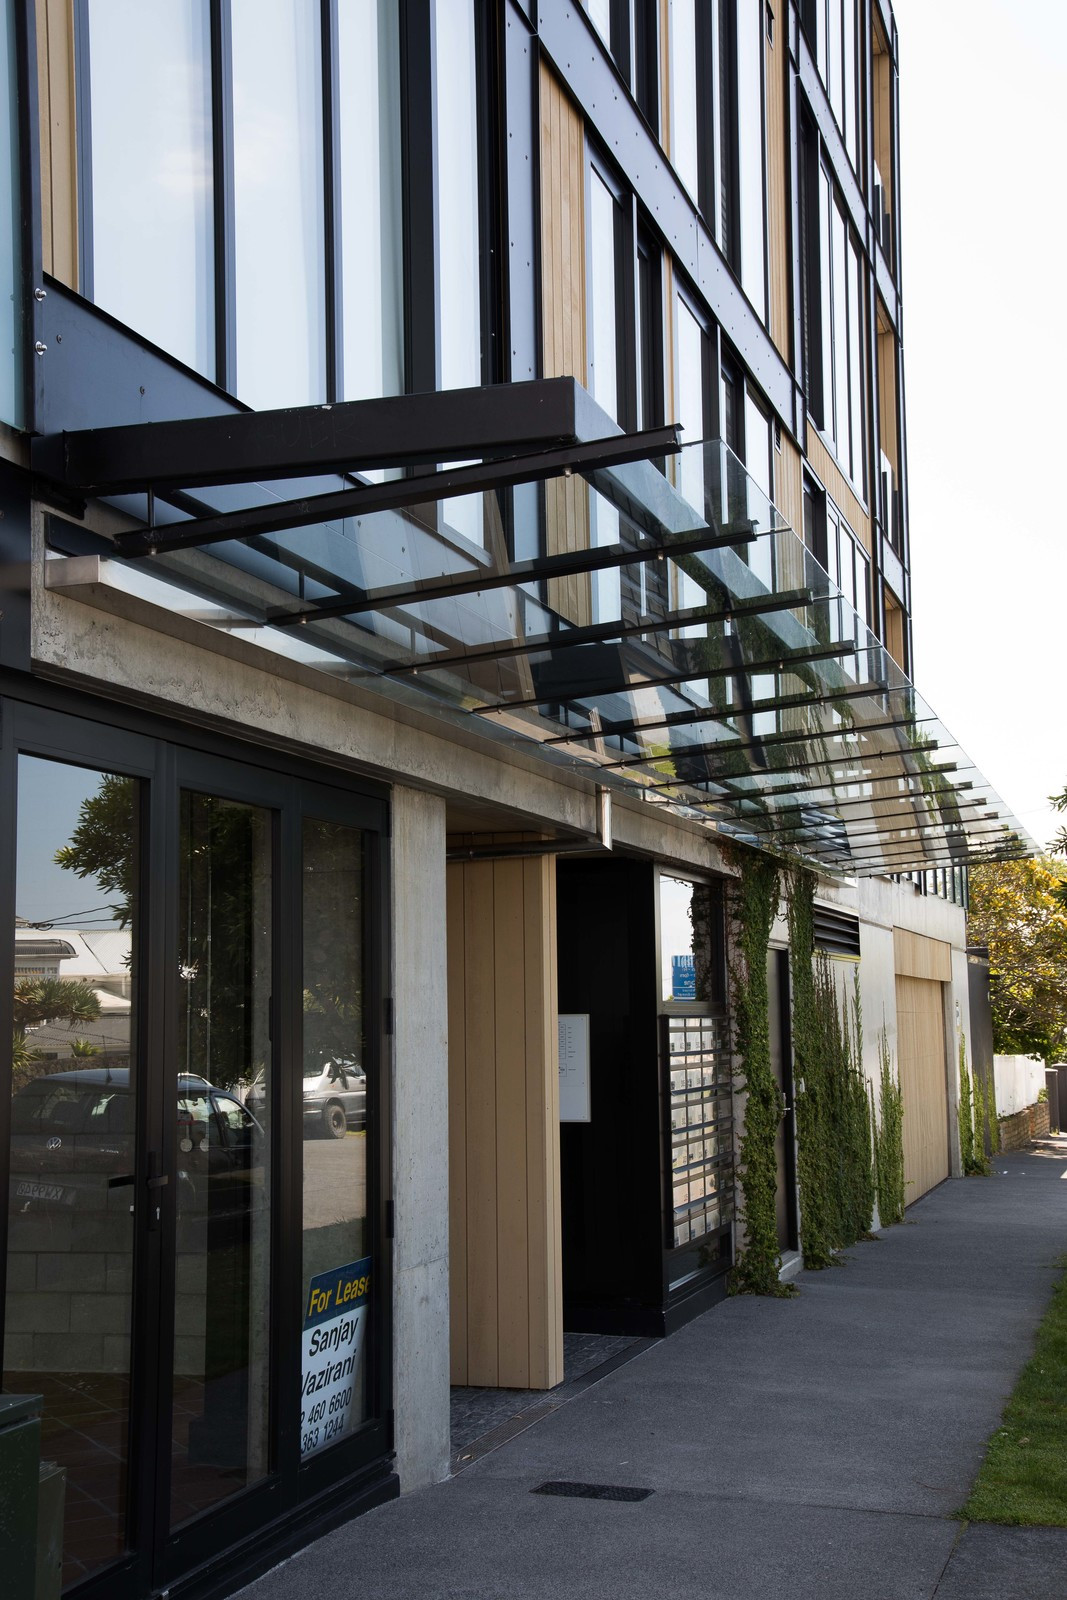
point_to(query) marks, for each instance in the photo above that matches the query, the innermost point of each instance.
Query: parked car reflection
(73, 1144)
(335, 1098)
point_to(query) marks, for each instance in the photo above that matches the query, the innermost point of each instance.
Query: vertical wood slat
(542, 1124)
(479, 995)
(921, 1070)
(506, 1271)
(457, 1123)
(512, 1269)
(564, 319)
(777, 196)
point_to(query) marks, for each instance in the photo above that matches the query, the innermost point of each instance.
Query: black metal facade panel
(97, 373)
(15, 531)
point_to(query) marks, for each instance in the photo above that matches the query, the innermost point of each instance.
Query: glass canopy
(655, 625)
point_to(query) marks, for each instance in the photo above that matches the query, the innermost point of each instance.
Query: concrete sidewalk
(814, 1447)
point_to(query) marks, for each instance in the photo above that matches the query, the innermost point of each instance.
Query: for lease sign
(332, 1370)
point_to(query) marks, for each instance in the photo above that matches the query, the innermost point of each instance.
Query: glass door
(76, 1107)
(221, 1153)
(196, 1275)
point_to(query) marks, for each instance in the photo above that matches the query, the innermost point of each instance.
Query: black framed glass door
(76, 1106)
(195, 1266)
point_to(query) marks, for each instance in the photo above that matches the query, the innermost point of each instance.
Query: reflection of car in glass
(335, 1099)
(73, 1141)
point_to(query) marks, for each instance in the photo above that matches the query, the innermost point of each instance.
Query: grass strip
(1024, 1476)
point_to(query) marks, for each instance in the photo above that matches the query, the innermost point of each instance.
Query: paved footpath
(814, 1447)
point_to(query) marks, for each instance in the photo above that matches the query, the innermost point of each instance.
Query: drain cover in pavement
(592, 1491)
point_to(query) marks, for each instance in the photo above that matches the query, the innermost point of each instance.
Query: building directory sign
(331, 1395)
(574, 1068)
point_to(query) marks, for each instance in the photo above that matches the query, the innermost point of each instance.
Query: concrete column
(420, 1139)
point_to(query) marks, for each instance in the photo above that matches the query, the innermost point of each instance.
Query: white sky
(983, 123)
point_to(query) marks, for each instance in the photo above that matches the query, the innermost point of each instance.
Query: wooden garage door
(921, 1063)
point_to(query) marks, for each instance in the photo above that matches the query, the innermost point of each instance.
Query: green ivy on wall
(889, 1140)
(754, 904)
(835, 1157)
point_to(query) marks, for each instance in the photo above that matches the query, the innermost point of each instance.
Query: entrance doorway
(193, 1212)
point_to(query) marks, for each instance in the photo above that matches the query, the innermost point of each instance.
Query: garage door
(921, 1063)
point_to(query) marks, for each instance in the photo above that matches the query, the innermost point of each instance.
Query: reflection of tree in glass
(224, 939)
(41, 1000)
(333, 943)
(101, 846)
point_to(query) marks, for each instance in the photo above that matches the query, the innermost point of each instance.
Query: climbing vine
(972, 1117)
(754, 906)
(889, 1140)
(835, 1160)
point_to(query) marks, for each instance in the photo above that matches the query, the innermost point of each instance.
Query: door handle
(155, 1181)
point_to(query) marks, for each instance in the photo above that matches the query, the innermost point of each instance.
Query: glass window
(602, 299)
(459, 295)
(459, 244)
(372, 273)
(603, 305)
(689, 410)
(750, 150)
(690, 941)
(148, 222)
(337, 1265)
(685, 138)
(758, 455)
(10, 212)
(857, 440)
(75, 1083)
(278, 202)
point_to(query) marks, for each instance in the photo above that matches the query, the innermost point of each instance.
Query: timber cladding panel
(59, 158)
(917, 956)
(778, 260)
(923, 1083)
(839, 489)
(564, 320)
(504, 1217)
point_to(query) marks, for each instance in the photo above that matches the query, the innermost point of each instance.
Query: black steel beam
(816, 761)
(889, 835)
(675, 719)
(944, 851)
(780, 663)
(365, 499)
(801, 796)
(605, 632)
(777, 821)
(742, 746)
(247, 447)
(543, 568)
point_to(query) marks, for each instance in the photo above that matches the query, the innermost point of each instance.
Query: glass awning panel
(654, 624)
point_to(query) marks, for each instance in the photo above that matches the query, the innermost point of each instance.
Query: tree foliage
(1018, 909)
(41, 1000)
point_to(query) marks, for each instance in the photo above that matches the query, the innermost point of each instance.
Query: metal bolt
(40, 348)
(40, 294)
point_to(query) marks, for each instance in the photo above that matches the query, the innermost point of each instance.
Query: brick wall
(1017, 1131)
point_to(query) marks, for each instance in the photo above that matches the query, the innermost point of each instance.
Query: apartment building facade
(454, 498)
